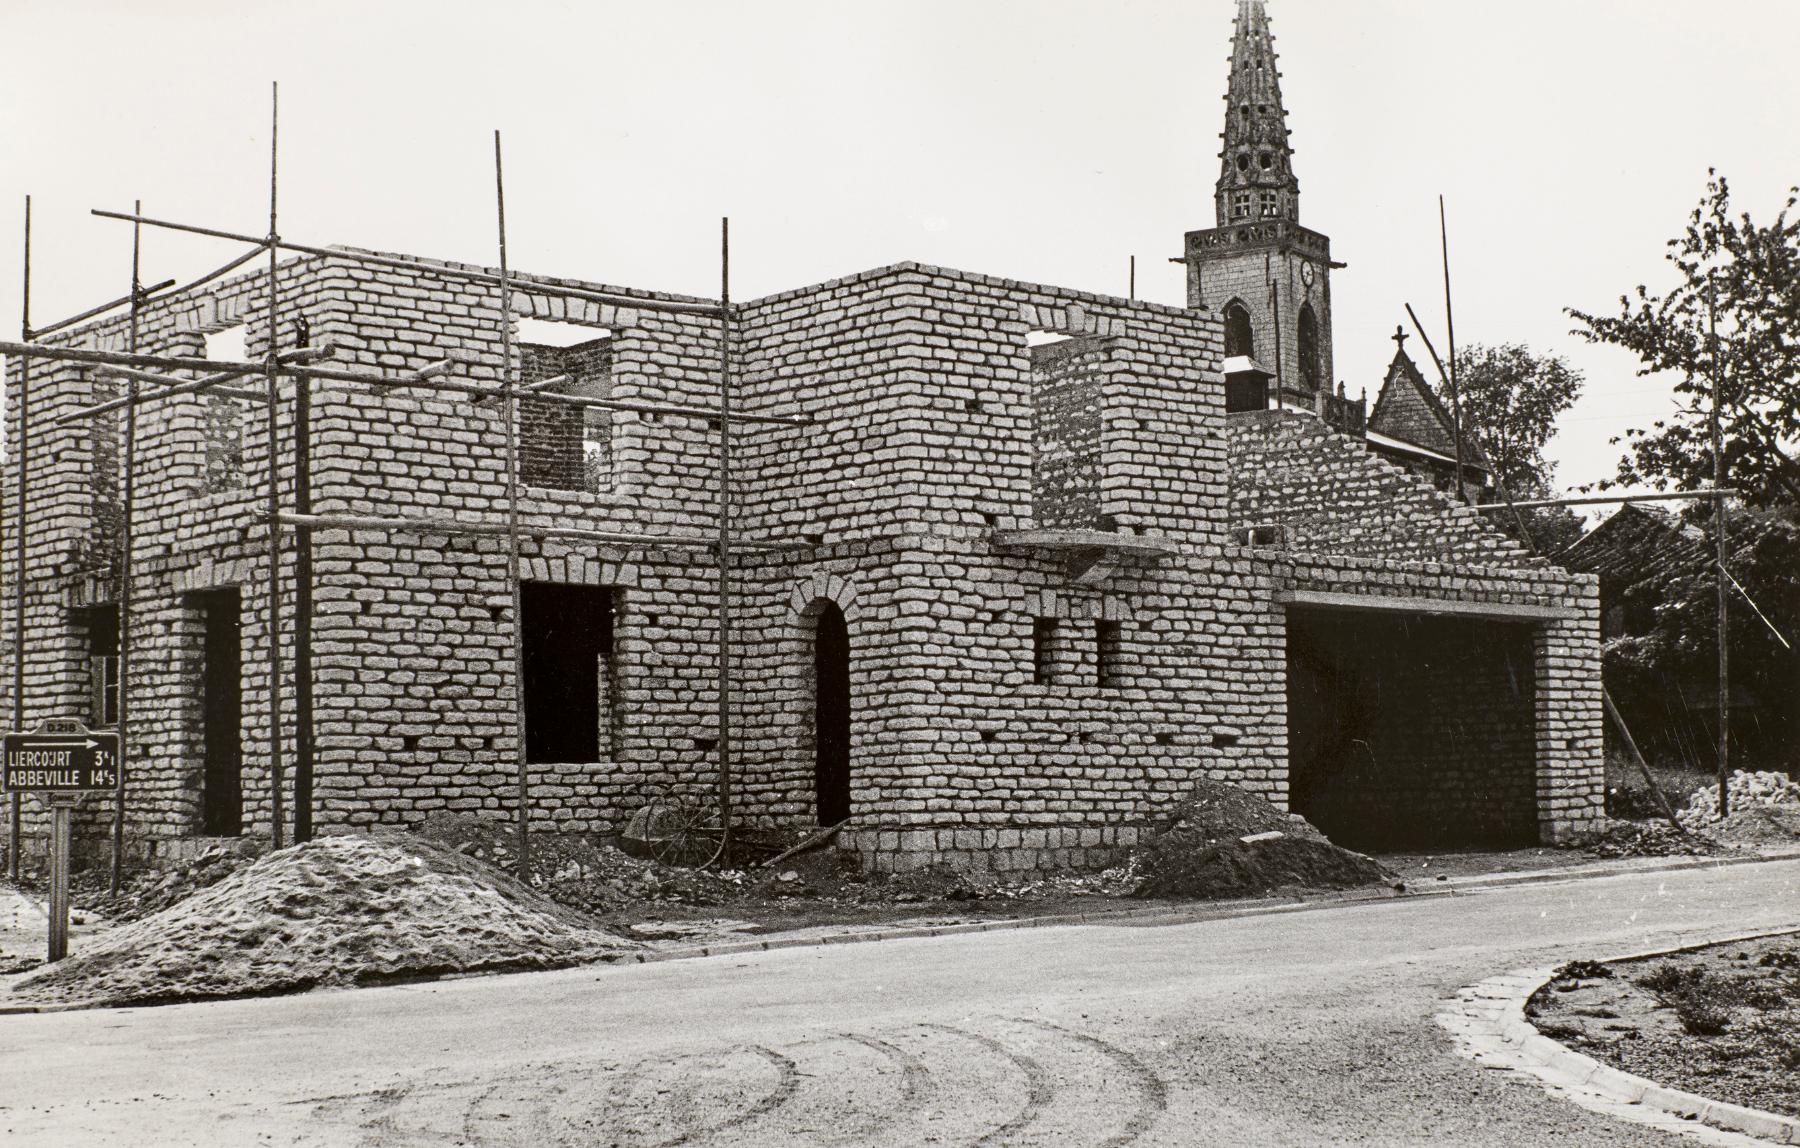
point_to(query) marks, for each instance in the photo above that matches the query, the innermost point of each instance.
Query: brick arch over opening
(810, 595)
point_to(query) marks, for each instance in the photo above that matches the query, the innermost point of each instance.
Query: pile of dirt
(337, 910)
(146, 891)
(573, 870)
(1744, 790)
(1223, 842)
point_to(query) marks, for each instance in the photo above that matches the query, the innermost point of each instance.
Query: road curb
(1162, 914)
(1489, 1026)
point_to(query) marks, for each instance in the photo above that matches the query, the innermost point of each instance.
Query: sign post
(60, 761)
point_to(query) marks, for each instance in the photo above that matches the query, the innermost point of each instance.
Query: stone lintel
(1433, 607)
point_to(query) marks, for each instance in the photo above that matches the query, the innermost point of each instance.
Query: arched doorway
(831, 714)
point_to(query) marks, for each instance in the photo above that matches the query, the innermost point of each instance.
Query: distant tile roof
(1635, 542)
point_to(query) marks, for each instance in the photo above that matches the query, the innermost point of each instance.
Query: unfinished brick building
(1022, 577)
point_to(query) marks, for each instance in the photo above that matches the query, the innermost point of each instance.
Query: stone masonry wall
(891, 500)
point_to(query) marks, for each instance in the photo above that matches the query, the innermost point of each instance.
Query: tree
(1749, 276)
(1511, 398)
(1510, 401)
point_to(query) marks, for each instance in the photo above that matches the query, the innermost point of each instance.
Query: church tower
(1268, 277)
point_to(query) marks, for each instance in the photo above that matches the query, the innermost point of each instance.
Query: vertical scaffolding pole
(725, 603)
(303, 612)
(15, 822)
(1450, 326)
(270, 363)
(509, 409)
(1719, 528)
(128, 480)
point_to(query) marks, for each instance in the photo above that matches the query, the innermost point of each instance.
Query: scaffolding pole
(509, 414)
(1672, 496)
(103, 308)
(1720, 521)
(724, 535)
(271, 374)
(15, 820)
(1450, 328)
(128, 480)
(427, 525)
(633, 302)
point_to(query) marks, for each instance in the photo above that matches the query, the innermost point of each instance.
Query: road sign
(71, 759)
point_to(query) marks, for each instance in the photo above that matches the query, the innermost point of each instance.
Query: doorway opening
(831, 715)
(571, 685)
(221, 713)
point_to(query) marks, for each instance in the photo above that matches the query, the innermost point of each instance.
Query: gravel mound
(1201, 852)
(336, 911)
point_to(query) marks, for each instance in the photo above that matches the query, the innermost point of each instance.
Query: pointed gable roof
(1408, 409)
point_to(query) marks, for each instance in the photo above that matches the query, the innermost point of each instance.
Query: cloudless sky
(1047, 140)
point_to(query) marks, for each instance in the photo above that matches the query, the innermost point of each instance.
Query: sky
(1049, 140)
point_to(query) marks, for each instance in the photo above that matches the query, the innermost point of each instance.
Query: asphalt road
(1300, 1028)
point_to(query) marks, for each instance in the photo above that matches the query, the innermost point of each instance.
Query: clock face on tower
(1307, 274)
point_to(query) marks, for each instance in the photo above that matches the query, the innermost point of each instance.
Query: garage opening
(831, 715)
(571, 688)
(1411, 732)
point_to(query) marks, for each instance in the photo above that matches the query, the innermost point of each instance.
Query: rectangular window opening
(101, 627)
(1043, 651)
(562, 446)
(226, 418)
(572, 701)
(1107, 636)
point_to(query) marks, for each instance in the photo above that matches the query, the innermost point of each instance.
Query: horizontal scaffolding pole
(412, 379)
(102, 309)
(454, 526)
(154, 362)
(182, 387)
(1725, 493)
(176, 386)
(525, 284)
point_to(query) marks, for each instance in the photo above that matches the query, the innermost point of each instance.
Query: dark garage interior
(1411, 732)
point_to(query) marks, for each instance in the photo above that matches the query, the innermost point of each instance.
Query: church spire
(1256, 176)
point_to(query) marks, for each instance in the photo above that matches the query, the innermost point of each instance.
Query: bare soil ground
(1722, 1022)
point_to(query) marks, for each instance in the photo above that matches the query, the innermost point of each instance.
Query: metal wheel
(683, 830)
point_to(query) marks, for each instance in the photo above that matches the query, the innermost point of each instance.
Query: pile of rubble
(1645, 839)
(575, 871)
(1744, 791)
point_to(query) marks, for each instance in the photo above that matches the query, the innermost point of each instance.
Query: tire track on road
(1154, 1094)
(1038, 1093)
(787, 1081)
